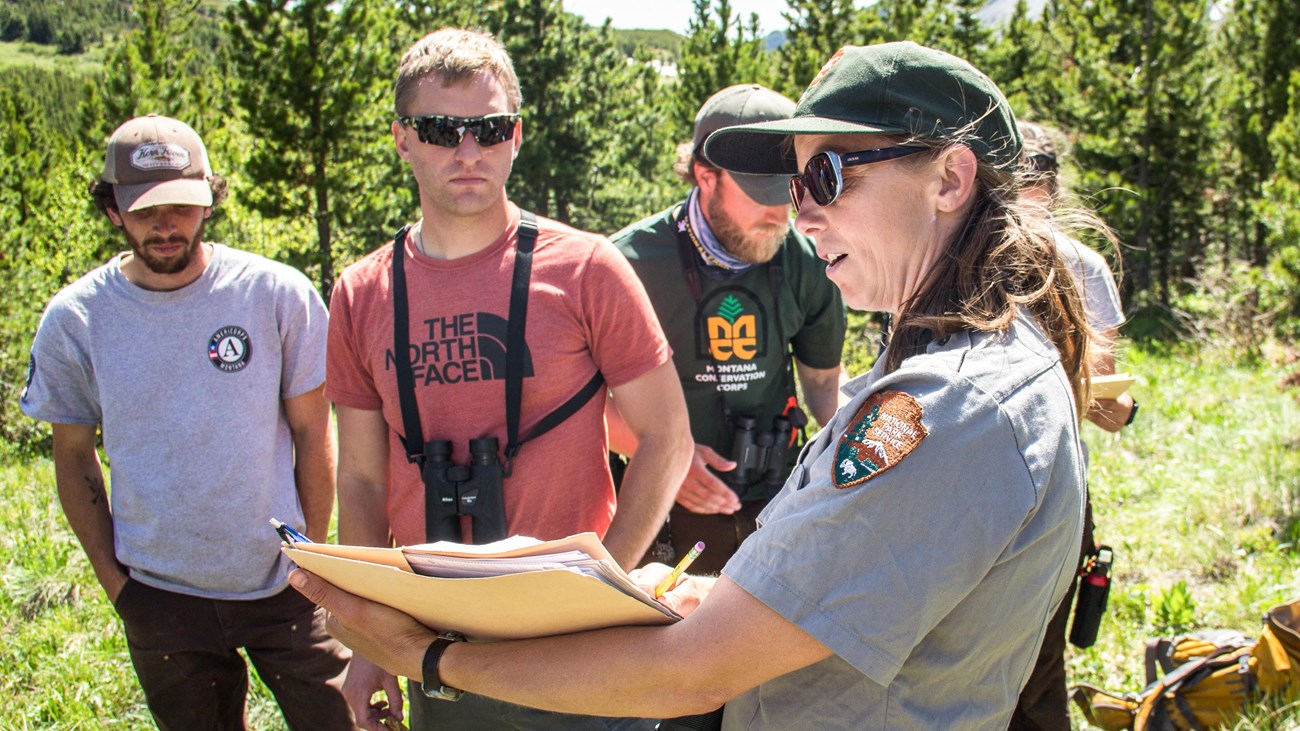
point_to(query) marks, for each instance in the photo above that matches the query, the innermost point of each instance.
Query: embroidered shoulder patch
(884, 431)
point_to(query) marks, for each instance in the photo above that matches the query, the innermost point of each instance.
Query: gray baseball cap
(746, 104)
(156, 161)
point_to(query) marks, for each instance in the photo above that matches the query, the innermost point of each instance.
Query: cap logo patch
(160, 156)
(886, 429)
(230, 348)
(826, 67)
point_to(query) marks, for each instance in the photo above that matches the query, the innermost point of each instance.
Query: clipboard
(506, 607)
(1110, 387)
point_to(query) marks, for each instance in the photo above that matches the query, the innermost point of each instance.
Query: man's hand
(363, 680)
(113, 584)
(702, 491)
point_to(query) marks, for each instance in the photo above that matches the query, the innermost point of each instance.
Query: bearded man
(746, 305)
(203, 366)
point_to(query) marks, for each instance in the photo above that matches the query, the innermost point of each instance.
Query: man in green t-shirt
(745, 303)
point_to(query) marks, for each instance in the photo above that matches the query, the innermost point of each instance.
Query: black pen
(288, 534)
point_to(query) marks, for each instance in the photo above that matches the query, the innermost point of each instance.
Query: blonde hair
(454, 55)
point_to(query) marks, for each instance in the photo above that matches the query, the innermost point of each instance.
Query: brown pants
(1044, 704)
(184, 649)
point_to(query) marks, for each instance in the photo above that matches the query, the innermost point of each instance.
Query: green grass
(22, 53)
(1203, 489)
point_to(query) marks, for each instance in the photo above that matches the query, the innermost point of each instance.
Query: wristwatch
(1132, 414)
(431, 683)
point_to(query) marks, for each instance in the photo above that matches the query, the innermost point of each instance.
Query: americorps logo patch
(885, 430)
(230, 348)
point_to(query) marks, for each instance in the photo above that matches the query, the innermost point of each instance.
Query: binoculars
(758, 454)
(452, 490)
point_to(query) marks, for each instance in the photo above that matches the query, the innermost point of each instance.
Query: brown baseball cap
(746, 104)
(157, 161)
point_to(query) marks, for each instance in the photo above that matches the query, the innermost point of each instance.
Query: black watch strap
(431, 682)
(1132, 413)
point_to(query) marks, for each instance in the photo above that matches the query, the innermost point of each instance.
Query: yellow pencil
(682, 565)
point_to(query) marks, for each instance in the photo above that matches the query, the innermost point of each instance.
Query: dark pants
(722, 535)
(1044, 704)
(184, 649)
(480, 713)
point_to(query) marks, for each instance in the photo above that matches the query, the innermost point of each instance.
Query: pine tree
(720, 51)
(1135, 90)
(313, 93)
(1261, 52)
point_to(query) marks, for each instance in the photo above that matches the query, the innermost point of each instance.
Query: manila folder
(514, 606)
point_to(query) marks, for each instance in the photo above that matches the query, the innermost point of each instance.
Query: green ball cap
(890, 88)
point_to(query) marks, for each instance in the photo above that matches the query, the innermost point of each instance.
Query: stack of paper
(1110, 387)
(513, 589)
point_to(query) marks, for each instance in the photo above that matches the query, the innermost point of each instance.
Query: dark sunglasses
(823, 176)
(488, 130)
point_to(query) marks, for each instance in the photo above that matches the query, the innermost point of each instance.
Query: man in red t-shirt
(458, 127)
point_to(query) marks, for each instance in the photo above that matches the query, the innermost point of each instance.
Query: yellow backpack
(1205, 680)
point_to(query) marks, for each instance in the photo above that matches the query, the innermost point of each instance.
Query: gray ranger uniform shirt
(187, 386)
(925, 538)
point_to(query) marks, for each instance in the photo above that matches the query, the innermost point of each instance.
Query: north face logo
(463, 348)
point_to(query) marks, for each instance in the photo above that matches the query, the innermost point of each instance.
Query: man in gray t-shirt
(203, 367)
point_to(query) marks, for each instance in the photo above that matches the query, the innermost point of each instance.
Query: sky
(670, 14)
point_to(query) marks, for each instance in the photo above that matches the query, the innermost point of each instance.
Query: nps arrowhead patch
(885, 430)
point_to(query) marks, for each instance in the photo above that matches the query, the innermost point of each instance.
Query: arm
(313, 459)
(821, 389)
(621, 438)
(654, 411)
(80, 481)
(363, 521)
(362, 477)
(1109, 414)
(732, 643)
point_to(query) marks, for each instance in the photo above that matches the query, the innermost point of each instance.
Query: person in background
(203, 368)
(472, 266)
(905, 574)
(1044, 703)
(745, 303)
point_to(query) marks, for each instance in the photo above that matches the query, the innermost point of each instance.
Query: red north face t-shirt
(586, 311)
